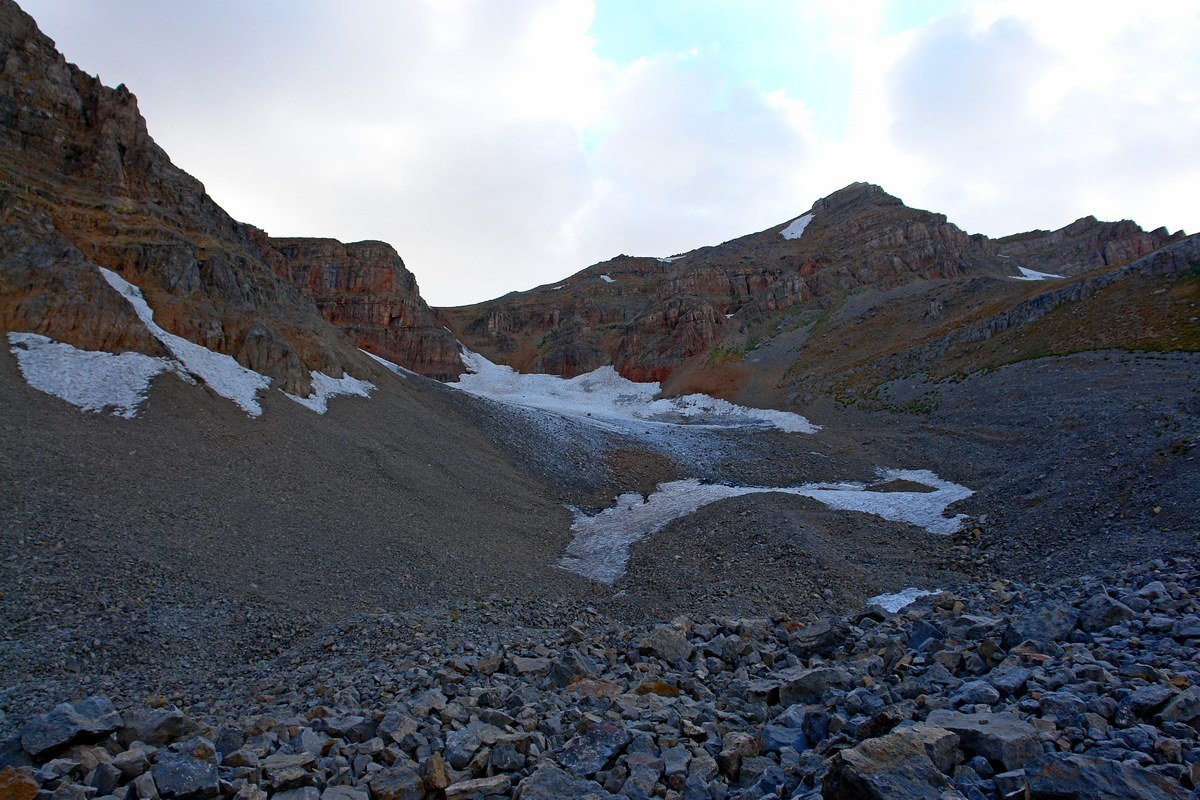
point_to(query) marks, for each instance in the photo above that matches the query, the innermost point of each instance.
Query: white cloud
(493, 146)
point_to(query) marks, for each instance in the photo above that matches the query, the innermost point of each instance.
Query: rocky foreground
(1081, 690)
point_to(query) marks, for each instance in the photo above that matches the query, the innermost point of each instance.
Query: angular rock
(344, 793)
(666, 642)
(17, 784)
(155, 726)
(464, 790)
(886, 768)
(1001, 738)
(1102, 612)
(398, 782)
(1060, 776)
(549, 782)
(83, 720)
(590, 750)
(1048, 623)
(810, 685)
(183, 777)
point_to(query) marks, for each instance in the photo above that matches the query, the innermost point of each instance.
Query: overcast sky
(502, 144)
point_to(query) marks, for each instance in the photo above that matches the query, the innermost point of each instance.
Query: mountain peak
(856, 195)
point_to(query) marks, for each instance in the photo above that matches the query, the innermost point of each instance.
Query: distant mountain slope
(733, 319)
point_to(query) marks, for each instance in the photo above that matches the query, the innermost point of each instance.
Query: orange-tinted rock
(365, 290)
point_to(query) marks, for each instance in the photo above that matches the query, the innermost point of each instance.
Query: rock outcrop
(365, 290)
(1085, 244)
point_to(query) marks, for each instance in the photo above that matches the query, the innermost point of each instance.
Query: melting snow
(600, 547)
(892, 603)
(605, 399)
(89, 379)
(325, 387)
(1033, 275)
(390, 365)
(796, 229)
(222, 373)
(669, 259)
(608, 279)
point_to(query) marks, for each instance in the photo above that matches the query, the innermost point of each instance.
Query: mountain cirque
(202, 603)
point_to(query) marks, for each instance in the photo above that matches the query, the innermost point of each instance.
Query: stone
(886, 768)
(134, 761)
(1062, 707)
(1102, 612)
(104, 778)
(1184, 707)
(593, 747)
(530, 666)
(397, 725)
(398, 782)
(435, 775)
(810, 685)
(549, 782)
(344, 793)
(463, 790)
(84, 720)
(975, 693)
(1061, 776)
(17, 784)
(1001, 738)
(461, 746)
(183, 777)
(155, 726)
(1052, 622)
(1148, 699)
(506, 757)
(299, 793)
(666, 642)
(283, 771)
(1009, 678)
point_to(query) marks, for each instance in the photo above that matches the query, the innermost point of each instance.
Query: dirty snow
(389, 365)
(796, 229)
(324, 387)
(600, 545)
(605, 399)
(221, 373)
(92, 380)
(892, 603)
(1033, 275)
(608, 279)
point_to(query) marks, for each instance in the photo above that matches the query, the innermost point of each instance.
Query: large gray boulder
(551, 783)
(69, 723)
(666, 642)
(1102, 612)
(895, 766)
(1062, 776)
(1001, 738)
(593, 747)
(179, 776)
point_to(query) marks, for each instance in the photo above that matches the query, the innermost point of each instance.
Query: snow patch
(600, 545)
(608, 279)
(222, 373)
(325, 387)
(1033, 275)
(561, 285)
(729, 316)
(605, 399)
(669, 259)
(796, 228)
(403, 372)
(892, 603)
(91, 380)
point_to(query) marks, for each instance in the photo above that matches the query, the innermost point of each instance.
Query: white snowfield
(796, 228)
(604, 399)
(403, 372)
(324, 387)
(91, 380)
(608, 279)
(1033, 275)
(222, 373)
(96, 381)
(600, 545)
(892, 603)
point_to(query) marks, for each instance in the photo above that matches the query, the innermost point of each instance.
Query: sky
(505, 144)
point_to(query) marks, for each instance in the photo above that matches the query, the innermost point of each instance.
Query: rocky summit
(861, 505)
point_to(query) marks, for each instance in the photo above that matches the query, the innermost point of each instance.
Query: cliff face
(1085, 244)
(366, 291)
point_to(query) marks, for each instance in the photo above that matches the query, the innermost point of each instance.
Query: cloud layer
(497, 149)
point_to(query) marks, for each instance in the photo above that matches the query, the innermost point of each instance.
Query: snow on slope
(1033, 275)
(222, 373)
(796, 229)
(608, 279)
(89, 379)
(324, 387)
(403, 372)
(892, 603)
(605, 399)
(600, 545)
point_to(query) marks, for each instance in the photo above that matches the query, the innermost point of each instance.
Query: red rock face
(365, 290)
(1083, 245)
(83, 185)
